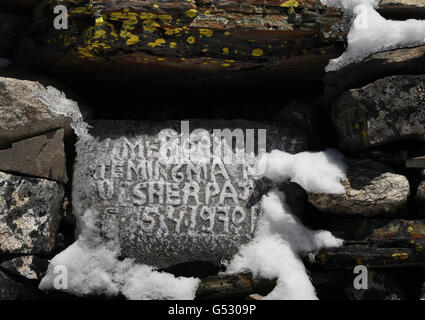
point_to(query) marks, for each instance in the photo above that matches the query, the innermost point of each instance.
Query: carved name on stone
(166, 213)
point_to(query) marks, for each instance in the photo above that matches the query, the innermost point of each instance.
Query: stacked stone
(378, 105)
(33, 177)
(375, 105)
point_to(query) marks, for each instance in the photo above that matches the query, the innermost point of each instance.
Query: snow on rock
(280, 237)
(371, 33)
(93, 268)
(318, 172)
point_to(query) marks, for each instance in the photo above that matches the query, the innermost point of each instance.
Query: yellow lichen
(206, 32)
(191, 13)
(158, 42)
(257, 52)
(401, 256)
(226, 51)
(191, 40)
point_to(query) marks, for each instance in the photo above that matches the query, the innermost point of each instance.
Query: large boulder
(41, 156)
(168, 211)
(29, 214)
(371, 189)
(385, 111)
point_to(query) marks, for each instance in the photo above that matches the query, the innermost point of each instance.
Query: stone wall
(177, 60)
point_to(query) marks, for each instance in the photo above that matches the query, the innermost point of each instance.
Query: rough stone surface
(233, 286)
(399, 231)
(192, 40)
(30, 267)
(25, 112)
(402, 9)
(371, 254)
(41, 156)
(370, 189)
(9, 289)
(420, 192)
(379, 65)
(11, 27)
(168, 214)
(29, 214)
(385, 111)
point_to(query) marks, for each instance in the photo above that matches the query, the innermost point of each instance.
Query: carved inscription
(179, 198)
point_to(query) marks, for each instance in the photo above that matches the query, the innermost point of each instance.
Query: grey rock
(162, 214)
(9, 289)
(41, 156)
(420, 192)
(376, 66)
(370, 189)
(29, 214)
(385, 111)
(30, 267)
(28, 109)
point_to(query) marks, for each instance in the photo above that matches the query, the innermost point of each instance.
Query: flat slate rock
(166, 214)
(41, 156)
(29, 214)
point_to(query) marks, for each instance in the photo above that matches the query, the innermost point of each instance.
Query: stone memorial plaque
(163, 207)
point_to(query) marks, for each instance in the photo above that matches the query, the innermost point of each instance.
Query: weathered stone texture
(29, 214)
(165, 214)
(25, 111)
(41, 156)
(385, 111)
(370, 189)
(29, 267)
(191, 40)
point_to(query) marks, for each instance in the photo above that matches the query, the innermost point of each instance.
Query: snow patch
(281, 239)
(318, 172)
(93, 267)
(371, 33)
